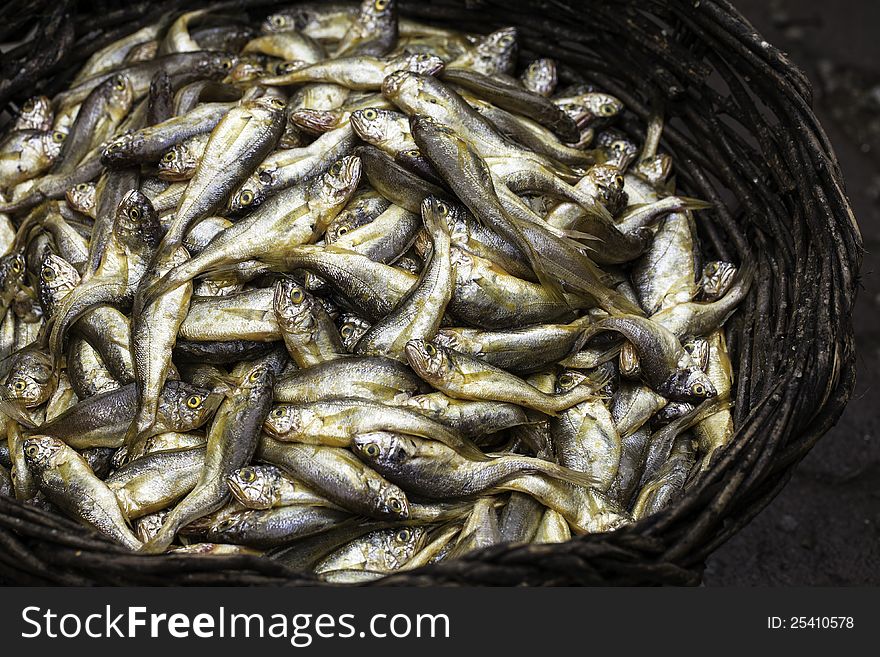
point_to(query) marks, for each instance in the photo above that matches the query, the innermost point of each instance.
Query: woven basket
(743, 135)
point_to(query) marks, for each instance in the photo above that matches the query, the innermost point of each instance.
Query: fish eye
(168, 157)
(278, 412)
(297, 295)
(380, 5)
(395, 505)
(194, 401)
(618, 146)
(81, 187)
(278, 21)
(134, 214)
(247, 475)
(246, 197)
(255, 375)
(17, 266)
(346, 331)
(403, 535)
(566, 380)
(618, 180)
(342, 230)
(430, 349)
(276, 102)
(119, 83)
(226, 64)
(48, 274)
(442, 209)
(506, 40)
(265, 177)
(31, 450)
(607, 109)
(370, 114)
(336, 169)
(699, 389)
(58, 136)
(414, 153)
(372, 450)
(226, 523)
(19, 385)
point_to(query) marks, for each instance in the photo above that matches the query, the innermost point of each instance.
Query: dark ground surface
(824, 528)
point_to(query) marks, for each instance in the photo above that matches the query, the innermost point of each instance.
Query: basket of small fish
(493, 292)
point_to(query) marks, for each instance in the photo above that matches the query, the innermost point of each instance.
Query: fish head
(118, 150)
(217, 64)
(378, 16)
(271, 104)
(351, 329)
(35, 114)
(230, 527)
(120, 94)
(496, 53)
(177, 163)
(698, 348)
(608, 184)
(384, 450)
(404, 89)
(430, 361)
(256, 381)
(688, 384)
(418, 62)
(184, 407)
(597, 108)
(82, 197)
(247, 69)
(407, 263)
(57, 278)
(541, 76)
(672, 411)
(41, 452)
(315, 121)
(12, 271)
(292, 19)
(136, 221)
(401, 544)
(32, 378)
(374, 125)
(146, 527)
(284, 420)
(294, 307)
(255, 486)
(717, 278)
(251, 193)
(338, 184)
(617, 148)
(568, 380)
(50, 144)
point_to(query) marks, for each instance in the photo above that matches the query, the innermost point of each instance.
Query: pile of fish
(350, 291)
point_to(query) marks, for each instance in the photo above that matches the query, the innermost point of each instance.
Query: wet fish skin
(156, 481)
(67, 480)
(364, 377)
(232, 440)
(101, 420)
(466, 377)
(339, 476)
(419, 313)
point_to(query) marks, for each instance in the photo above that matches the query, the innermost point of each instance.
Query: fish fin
(568, 475)
(694, 204)
(15, 410)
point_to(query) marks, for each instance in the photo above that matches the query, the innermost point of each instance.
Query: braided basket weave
(743, 136)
